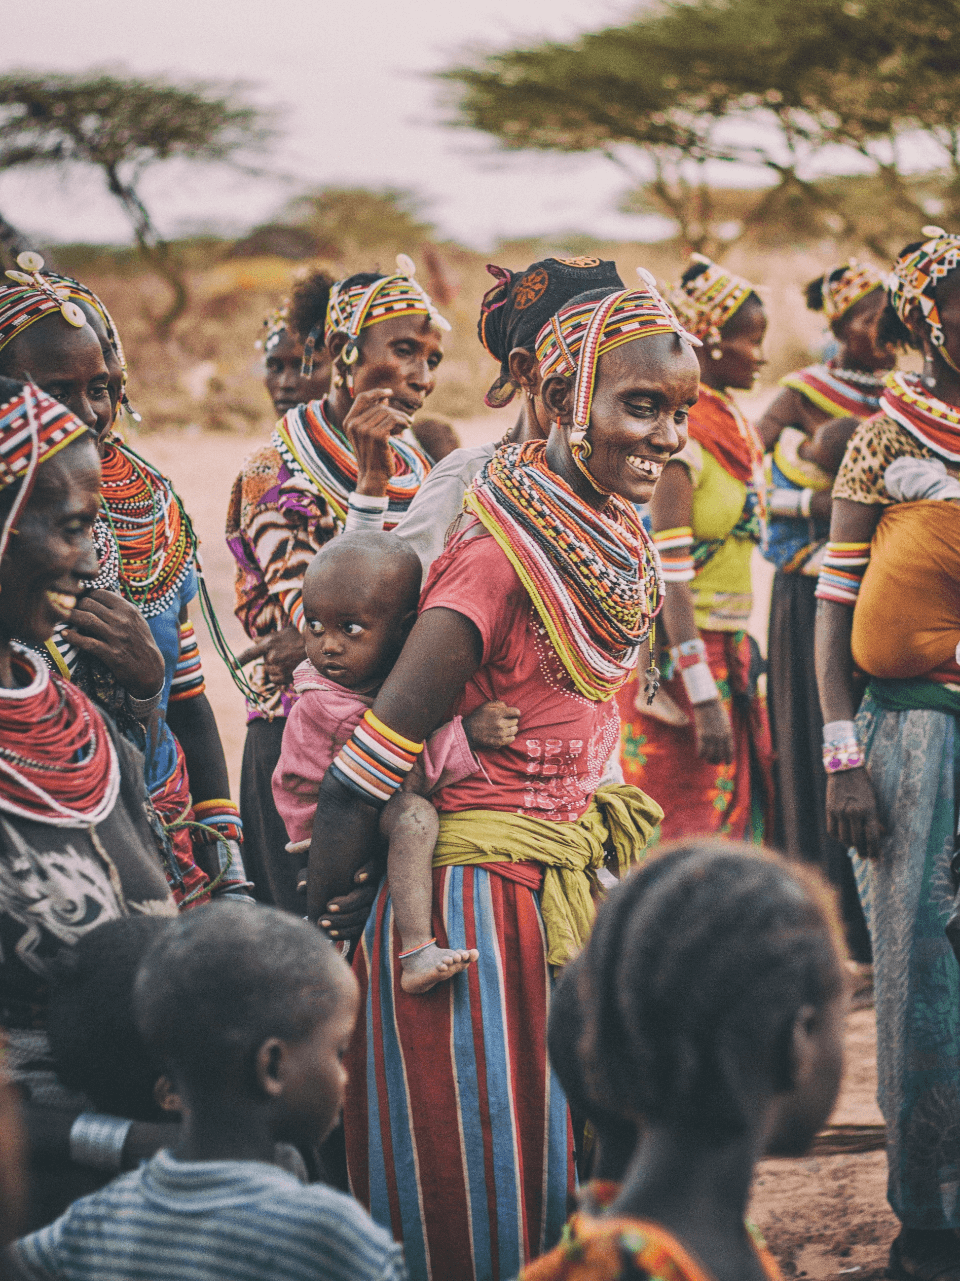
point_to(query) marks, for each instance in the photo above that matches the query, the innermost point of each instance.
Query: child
(360, 598)
(716, 998)
(249, 1009)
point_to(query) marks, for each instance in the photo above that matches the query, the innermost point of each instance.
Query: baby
(360, 597)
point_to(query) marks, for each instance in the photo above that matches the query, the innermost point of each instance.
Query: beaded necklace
(594, 577)
(314, 448)
(838, 392)
(153, 534)
(58, 764)
(928, 419)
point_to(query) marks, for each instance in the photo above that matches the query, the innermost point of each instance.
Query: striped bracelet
(374, 760)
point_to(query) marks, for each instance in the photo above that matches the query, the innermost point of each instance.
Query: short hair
(376, 545)
(226, 977)
(93, 1036)
(697, 966)
(566, 1026)
(308, 303)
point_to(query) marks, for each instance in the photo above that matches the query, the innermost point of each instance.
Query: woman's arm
(441, 654)
(195, 726)
(48, 1134)
(787, 409)
(672, 508)
(851, 802)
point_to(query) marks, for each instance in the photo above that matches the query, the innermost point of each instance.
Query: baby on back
(360, 597)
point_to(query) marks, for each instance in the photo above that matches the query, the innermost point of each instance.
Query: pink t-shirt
(553, 767)
(320, 722)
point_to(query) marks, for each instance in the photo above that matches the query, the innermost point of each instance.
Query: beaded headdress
(32, 427)
(574, 339)
(276, 326)
(707, 302)
(32, 297)
(840, 294)
(354, 307)
(916, 275)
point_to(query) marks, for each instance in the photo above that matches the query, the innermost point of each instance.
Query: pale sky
(359, 111)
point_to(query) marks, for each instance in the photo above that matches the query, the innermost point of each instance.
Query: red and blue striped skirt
(458, 1134)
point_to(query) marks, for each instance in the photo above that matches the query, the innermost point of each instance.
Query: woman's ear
(269, 1067)
(524, 369)
(335, 344)
(798, 1056)
(557, 394)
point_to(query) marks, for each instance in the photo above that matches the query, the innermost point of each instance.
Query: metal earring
(337, 378)
(586, 449)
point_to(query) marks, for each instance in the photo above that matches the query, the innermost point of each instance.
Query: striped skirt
(458, 1134)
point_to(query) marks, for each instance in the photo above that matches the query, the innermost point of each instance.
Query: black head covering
(518, 306)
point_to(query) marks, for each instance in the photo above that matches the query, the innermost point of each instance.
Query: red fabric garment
(555, 763)
(699, 798)
(726, 434)
(171, 800)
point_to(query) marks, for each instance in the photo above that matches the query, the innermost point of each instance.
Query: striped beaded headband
(32, 297)
(707, 302)
(858, 280)
(276, 325)
(916, 275)
(574, 339)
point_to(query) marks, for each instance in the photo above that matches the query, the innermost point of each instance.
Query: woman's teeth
(646, 466)
(62, 602)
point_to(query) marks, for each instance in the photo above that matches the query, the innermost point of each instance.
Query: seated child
(249, 1010)
(360, 597)
(715, 992)
(915, 546)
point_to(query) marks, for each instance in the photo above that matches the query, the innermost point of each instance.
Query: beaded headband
(32, 427)
(31, 298)
(353, 308)
(706, 303)
(858, 280)
(916, 275)
(575, 338)
(276, 326)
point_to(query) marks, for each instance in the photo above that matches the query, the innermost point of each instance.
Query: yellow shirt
(723, 587)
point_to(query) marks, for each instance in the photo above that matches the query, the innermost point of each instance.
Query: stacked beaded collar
(58, 764)
(593, 577)
(915, 277)
(843, 292)
(932, 422)
(153, 534)
(837, 392)
(313, 448)
(573, 340)
(707, 302)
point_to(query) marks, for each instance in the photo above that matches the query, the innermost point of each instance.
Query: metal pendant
(651, 682)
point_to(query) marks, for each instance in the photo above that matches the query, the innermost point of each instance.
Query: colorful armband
(841, 747)
(844, 565)
(221, 814)
(374, 760)
(188, 679)
(292, 602)
(676, 553)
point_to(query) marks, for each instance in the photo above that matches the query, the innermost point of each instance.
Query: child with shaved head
(360, 598)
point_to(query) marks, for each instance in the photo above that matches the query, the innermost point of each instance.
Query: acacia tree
(767, 83)
(122, 126)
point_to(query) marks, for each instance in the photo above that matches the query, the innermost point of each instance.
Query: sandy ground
(823, 1216)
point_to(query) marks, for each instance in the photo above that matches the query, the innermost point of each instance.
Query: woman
(851, 297)
(333, 462)
(511, 315)
(457, 1133)
(79, 844)
(892, 773)
(301, 318)
(133, 623)
(711, 772)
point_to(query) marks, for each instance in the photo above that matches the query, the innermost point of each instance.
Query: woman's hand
(852, 816)
(714, 732)
(108, 627)
(282, 653)
(368, 426)
(346, 916)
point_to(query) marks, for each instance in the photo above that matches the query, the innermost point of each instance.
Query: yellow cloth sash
(620, 819)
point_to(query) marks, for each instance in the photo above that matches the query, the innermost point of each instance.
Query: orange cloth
(907, 618)
(600, 1250)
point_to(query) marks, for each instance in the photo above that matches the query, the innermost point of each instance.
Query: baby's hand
(492, 725)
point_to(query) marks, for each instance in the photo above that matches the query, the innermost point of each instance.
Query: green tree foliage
(771, 84)
(351, 222)
(122, 126)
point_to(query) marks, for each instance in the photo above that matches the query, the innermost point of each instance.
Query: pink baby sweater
(320, 722)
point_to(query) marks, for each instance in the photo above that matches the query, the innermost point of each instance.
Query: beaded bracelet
(365, 511)
(374, 760)
(421, 947)
(841, 748)
(98, 1141)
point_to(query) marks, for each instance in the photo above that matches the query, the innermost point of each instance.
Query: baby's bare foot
(432, 965)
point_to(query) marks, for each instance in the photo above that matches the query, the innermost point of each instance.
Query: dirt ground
(824, 1216)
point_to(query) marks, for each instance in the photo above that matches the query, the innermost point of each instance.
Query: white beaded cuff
(97, 1140)
(699, 683)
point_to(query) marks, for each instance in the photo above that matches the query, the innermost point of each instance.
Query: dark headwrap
(518, 306)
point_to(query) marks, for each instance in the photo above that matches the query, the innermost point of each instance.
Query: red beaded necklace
(58, 764)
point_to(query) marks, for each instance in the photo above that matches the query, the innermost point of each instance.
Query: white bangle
(784, 502)
(98, 1141)
(699, 683)
(143, 708)
(365, 512)
(806, 498)
(369, 502)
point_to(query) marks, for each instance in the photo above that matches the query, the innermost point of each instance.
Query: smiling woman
(704, 750)
(77, 845)
(458, 1135)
